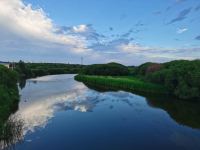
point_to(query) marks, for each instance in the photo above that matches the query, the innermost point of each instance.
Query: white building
(6, 64)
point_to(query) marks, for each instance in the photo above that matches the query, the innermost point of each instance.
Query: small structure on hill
(8, 64)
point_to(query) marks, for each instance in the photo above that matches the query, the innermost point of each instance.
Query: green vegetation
(110, 69)
(9, 97)
(180, 78)
(122, 83)
(28, 70)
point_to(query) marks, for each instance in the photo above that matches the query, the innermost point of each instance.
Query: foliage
(110, 69)
(27, 70)
(7, 78)
(122, 83)
(181, 77)
(23, 70)
(9, 96)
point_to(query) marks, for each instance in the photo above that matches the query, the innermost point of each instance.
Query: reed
(123, 83)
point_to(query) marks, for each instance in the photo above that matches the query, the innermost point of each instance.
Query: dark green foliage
(110, 69)
(41, 69)
(28, 70)
(9, 96)
(23, 70)
(181, 77)
(7, 78)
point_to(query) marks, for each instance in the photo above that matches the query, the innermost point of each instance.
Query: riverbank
(130, 84)
(9, 97)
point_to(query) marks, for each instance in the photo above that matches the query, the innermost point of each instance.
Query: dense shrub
(27, 70)
(110, 69)
(23, 70)
(181, 77)
(9, 96)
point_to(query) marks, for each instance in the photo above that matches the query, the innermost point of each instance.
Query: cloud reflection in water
(59, 96)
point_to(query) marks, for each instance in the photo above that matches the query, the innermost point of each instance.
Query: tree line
(180, 77)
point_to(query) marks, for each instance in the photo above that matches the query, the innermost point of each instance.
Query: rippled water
(59, 113)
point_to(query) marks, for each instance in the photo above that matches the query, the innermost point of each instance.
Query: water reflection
(128, 114)
(50, 95)
(79, 100)
(22, 83)
(183, 112)
(11, 133)
(40, 102)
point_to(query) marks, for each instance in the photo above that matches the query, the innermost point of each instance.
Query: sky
(130, 32)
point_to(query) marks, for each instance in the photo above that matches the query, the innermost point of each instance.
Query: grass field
(122, 83)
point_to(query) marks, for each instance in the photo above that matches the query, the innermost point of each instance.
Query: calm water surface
(59, 113)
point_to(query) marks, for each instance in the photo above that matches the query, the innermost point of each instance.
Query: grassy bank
(180, 77)
(9, 97)
(122, 83)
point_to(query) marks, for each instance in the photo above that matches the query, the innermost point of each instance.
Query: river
(58, 113)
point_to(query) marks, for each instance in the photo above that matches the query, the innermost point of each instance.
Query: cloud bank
(31, 35)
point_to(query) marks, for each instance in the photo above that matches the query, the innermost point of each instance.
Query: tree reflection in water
(183, 112)
(11, 132)
(22, 83)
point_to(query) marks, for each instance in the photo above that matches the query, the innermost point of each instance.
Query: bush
(110, 69)
(181, 77)
(9, 96)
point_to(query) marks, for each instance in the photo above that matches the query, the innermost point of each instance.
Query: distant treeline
(110, 69)
(180, 77)
(28, 70)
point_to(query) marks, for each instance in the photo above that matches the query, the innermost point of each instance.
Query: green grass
(125, 83)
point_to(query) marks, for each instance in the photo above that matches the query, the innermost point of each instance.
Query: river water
(58, 113)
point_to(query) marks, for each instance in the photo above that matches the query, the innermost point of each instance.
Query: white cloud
(159, 54)
(181, 30)
(80, 28)
(132, 48)
(33, 24)
(31, 35)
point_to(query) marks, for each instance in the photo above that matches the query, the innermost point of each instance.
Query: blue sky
(127, 31)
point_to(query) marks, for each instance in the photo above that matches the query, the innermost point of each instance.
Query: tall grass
(122, 83)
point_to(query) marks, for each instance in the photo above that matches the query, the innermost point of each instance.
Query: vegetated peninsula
(180, 78)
